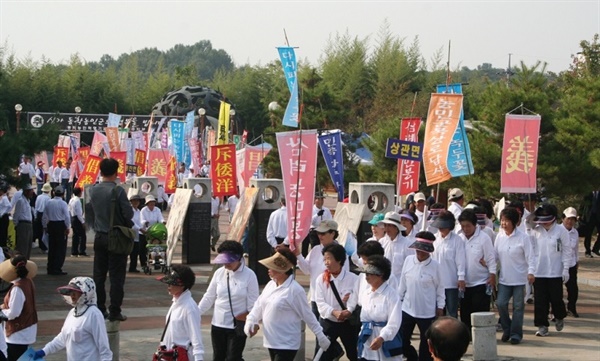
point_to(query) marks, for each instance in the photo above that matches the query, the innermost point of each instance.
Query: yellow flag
(223, 131)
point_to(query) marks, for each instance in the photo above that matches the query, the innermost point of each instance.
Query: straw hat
(277, 262)
(46, 188)
(8, 272)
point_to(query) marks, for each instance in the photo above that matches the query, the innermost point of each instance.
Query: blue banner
(459, 154)
(287, 56)
(402, 149)
(189, 128)
(177, 129)
(331, 148)
(113, 120)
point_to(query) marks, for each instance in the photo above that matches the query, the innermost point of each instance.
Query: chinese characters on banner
(84, 152)
(331, 148)
(97, 143)
(223, 130)
(248, 160)
(112, 135)
(408, 170)
(140, 162)
(60, 153)
(90, 171)
(520, 153)
(171, 176)
(121, 157)
(222, 170)
(442, 121)
(298, 154)
(177, 135)
(288, 62)
(158, 162)
(195, 154)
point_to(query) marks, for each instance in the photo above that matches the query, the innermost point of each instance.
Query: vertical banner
(408, 170)
(164, 139)
(520, 153)
(84, 152)
(195, 154)
(121, 157)
(112, 136)
(139, 140)
(158, 162)
(140, 161)
(222, 170)
(130, 149)
(211, 139)
(97, 142)
(62, 154)
(287, 55)
(178, 138)
(253, 157)
(244, 138)
(113, 120)
(459, 155)
(189, 128)
(171, 177)
(90, 171)
(223, 129)
(240, 158)
(331, 148)
(442, 121)
(298, 154)
(42, 157)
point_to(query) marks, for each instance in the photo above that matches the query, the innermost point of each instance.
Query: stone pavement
(147, 301)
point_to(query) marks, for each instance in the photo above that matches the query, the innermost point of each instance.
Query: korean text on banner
(288, 62)
(158, 162)
(298, 152)
(140, 162)
(520, 154)
(331, 148)
(97, 143)
(171, 177)
(121, 157)
(195, 155)
(60, 154)
(223, 130)
(222, 170)
(90, 171)
(112, 135)
(459, 155)
(442, 121)
(178, 135)
(408, 170)
(253, 156)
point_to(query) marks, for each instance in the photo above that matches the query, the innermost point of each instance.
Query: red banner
(408, 170)
(90, 171)
(41, 157)
(62, 154)
(140, 161)
(298, 155)
(442, 120)
(222, 170)
(121, 157)
(195, 154)
(84, 152)
(158, 163)
(98, 143)
(171, 177)
(520, 153)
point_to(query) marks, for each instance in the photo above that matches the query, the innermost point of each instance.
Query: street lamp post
(232, 122)
(18, 108)
(201, 113)
(273, 107)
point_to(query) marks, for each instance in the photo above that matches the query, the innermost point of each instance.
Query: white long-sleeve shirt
(5, 205)
(184, 326)
(27, 168)
(552, 251)
(277, 226)
(14, 308)
(244, 293)
(421, 290)
(137, 224)
(83, 337)
(316, 219)
(396, 250)
(450, 254)
(150, 217)
(75, 208)
(381, 305)
(574, 244)
(515, 257)
(41, 201)
(345, 283)
(56, 210)
(477, 247)
(23, 211)
(281, 308)
(313, 266)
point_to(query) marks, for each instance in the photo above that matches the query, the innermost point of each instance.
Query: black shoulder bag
(355, 318)
(238, 325)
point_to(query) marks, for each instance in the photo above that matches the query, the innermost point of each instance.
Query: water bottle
(488, 290)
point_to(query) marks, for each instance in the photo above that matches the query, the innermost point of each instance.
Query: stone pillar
(112, 329)
(484, 336)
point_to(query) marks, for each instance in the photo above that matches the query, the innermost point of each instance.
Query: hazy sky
(480, 31)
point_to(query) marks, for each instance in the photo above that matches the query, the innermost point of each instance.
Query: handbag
(355, 318)
(177, 353)
(238, 326)
(120, 238)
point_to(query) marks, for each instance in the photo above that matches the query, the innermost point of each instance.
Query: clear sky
(480, 31)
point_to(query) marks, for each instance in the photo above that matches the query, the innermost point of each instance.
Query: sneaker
(34, 245)
(529, 301)
(514, 341)
(597, 253)
(213, 248)
(588, 255)
(120, 317)
(73, 256)
(499, 327)
(505, 338)
(84, 255)
(560, 324)
(542, 331)
(573, 313)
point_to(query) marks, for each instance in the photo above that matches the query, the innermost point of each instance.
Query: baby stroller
(156, 248)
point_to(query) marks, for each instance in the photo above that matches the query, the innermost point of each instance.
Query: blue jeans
(512, 328)
(452, 302)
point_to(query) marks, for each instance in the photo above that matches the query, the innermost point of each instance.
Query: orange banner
(211, 139)
(62, 154)
(442, 120)
(121, 157)
(112, 134)
(140, 161)
(90, 171)
(222, 170)
(158, 162)
(171, 178)
(84, 152)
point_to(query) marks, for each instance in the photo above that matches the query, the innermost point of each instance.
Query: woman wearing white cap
(149, 215)
(233, 290)
(394, 243)
(281, 307)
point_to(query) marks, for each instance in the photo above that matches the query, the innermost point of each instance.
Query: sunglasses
(322, 233)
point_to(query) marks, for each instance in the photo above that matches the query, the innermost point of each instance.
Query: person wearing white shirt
(524, 226)
(320, 213)
(380, 315)
(480, 267)
(515, 257)
(40, 177)
(282, 306)
(450, 254)
(457, 199)
(57, 174)
(26, 170)
(162, 199)
(569, 220)
(183, 318)
(215, 232)
(551, 245)
(421, 294)
(136, 200)
(277, 226)
(419, 201)
(378, 231)
(233, 290)
(57, 221)
(79, 239)
(40, 205)
(336, 298)
(232, 202)
(409, 220)
(5, 208)
(23, 218)
(394, 243)
(149, 215)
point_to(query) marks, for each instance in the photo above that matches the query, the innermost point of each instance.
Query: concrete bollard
(301, 354)
(112, 329)
(484, 336)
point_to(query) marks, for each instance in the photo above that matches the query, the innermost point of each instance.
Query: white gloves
(324, 342)
(249, 327)
(565, 276)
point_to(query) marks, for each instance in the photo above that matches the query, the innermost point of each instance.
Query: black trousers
(143, 251)
(227, 346)
(346, 333)
(475, 300)
(57, 246)
(133, 256)
(4, 230)
(587, 230)
(282, 355)
(408, 325)
(546, 292)
(15, 351)
(113, 264)
(79, 238)
(572, 290)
